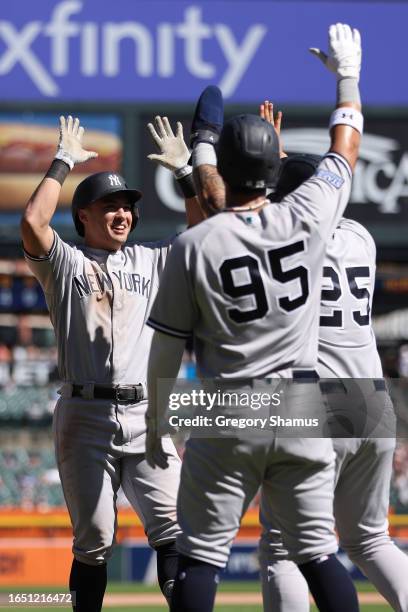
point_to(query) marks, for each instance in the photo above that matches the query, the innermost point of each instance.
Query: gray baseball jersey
(248, 287)
(347, 349)
(98, 303)
(246, 284)
(347, 346)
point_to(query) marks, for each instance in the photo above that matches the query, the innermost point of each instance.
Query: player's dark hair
(242, 196)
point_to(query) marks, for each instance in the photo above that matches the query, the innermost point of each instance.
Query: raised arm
(205, 130)
(344, 60)
(266, 112)
(174, 155)
(36, 232)
(210, 188)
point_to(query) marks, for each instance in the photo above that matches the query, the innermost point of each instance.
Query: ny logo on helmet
(114, 180)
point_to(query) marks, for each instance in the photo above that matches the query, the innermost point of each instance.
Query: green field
(123, 588)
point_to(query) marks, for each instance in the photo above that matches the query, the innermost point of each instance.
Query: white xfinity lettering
(100, 48)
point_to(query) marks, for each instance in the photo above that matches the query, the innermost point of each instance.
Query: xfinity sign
(98, 49)
(150, 50)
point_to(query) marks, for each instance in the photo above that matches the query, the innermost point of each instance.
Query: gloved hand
(70, 148)
(344, 55)
(174, 153)
(155, 455)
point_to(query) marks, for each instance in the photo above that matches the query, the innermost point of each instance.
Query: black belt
(131, 393)
(337, 386)
(379, 384)
(305, 376)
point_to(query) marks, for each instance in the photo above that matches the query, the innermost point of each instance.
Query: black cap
(97, 186)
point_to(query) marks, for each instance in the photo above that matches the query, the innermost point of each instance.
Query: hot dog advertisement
(28, 145)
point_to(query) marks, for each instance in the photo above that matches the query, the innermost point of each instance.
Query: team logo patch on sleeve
(330, 177)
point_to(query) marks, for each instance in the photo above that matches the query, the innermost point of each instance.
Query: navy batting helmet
(97, 186)
(248, 153)
(295, 169)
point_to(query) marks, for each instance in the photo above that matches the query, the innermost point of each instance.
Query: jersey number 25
(336, 318)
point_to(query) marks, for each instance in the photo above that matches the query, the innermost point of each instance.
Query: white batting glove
(174, 153)
(155, 455)
(70, 148)
(344, 55)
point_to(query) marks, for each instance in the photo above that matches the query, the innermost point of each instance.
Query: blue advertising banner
(148, 51)
(243, 563)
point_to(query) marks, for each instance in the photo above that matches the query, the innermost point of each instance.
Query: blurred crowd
(29, 479)
(399, 484)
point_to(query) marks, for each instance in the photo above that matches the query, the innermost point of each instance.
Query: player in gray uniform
(242, 283)
(347, 349)
(99, 296)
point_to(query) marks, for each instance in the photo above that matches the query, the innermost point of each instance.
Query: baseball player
(240, 282)
(99, 296)
(347, 349)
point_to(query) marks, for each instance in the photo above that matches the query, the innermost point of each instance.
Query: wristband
(204, 154)
(58, 170)
(179, 173)
(204, 135)
(348, 91)
(65, 157)
(347, 116)
(186, 184)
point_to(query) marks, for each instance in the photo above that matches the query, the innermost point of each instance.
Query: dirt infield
(226, 599)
